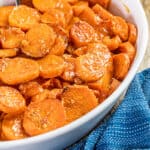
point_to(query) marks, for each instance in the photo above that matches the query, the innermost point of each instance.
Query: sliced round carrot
(119, 27)
(11, 37)
(38, 41)
(112, 43)
(103, 3)
(121, 65)
(12, 127)
(59, 46)
(8, 52)
(69, 71)
(45, 94)
(132, 33)
(91, 66)
(30, 89)
(78, 100)
(43, 116)
(24, 17)
(82, 33)
(114, 85)
(5, 12)
(51, 83)
(129, 49)
(18, 70)
(89, 16)
(102, 12)
(79, 7)
(51, 66)
(80, 51)
(54, 17)
(11, 101)
(46, 5)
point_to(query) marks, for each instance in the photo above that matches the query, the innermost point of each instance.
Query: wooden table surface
(146, 60)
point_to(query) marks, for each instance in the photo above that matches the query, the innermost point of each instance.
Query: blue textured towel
(129, 126)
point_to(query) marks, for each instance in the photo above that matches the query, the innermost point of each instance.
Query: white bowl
(62, 137)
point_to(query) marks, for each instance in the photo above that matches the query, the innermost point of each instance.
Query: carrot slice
(82, 33)
(38, 41)
(12, 127)
(79, 7)
(11, 101)
(59, 46)
(102, 12)
(5, 12)
(52, 83)
(103, 3)
(51, 66)
(30, 89)
(112, 43)
(46, 5)
(129, 49)
(8, 52)
(24, 17)
(54, 17)
(43, 116)
(45, 94)
(18, 70)
(11, 37)
(78, 100)
(69, 70)
(132, 33)
(91, 66)
(119, 27)
(89, 16)
(114, 85)
(121, 65)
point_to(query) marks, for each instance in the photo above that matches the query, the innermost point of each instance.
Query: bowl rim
(93, 113)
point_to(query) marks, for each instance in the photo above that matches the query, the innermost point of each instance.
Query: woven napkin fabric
(129, 126)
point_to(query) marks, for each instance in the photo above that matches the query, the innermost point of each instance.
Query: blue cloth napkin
(129, 126)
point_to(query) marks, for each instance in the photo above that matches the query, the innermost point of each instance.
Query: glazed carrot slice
(103, 3)
(11, 101)
(43, 116)
(79, 7)
(11, 37)
(44, 5)
(132, 33)
(121, 65)
(112, 43)
(102, 12)
(8, 52)
(59, 46)
(24, 17)
(80, 51)
(12, 127)
(18, 70)
(82, 33)
(5, 12)
(30, 89)
(45, 94)
(78, 100)
(91, 66)
(54, 17)
(89, 16)
(38, 41)
(51, 66)
(114, 85)
(129, 49)
(119, 27)
(69, 70)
